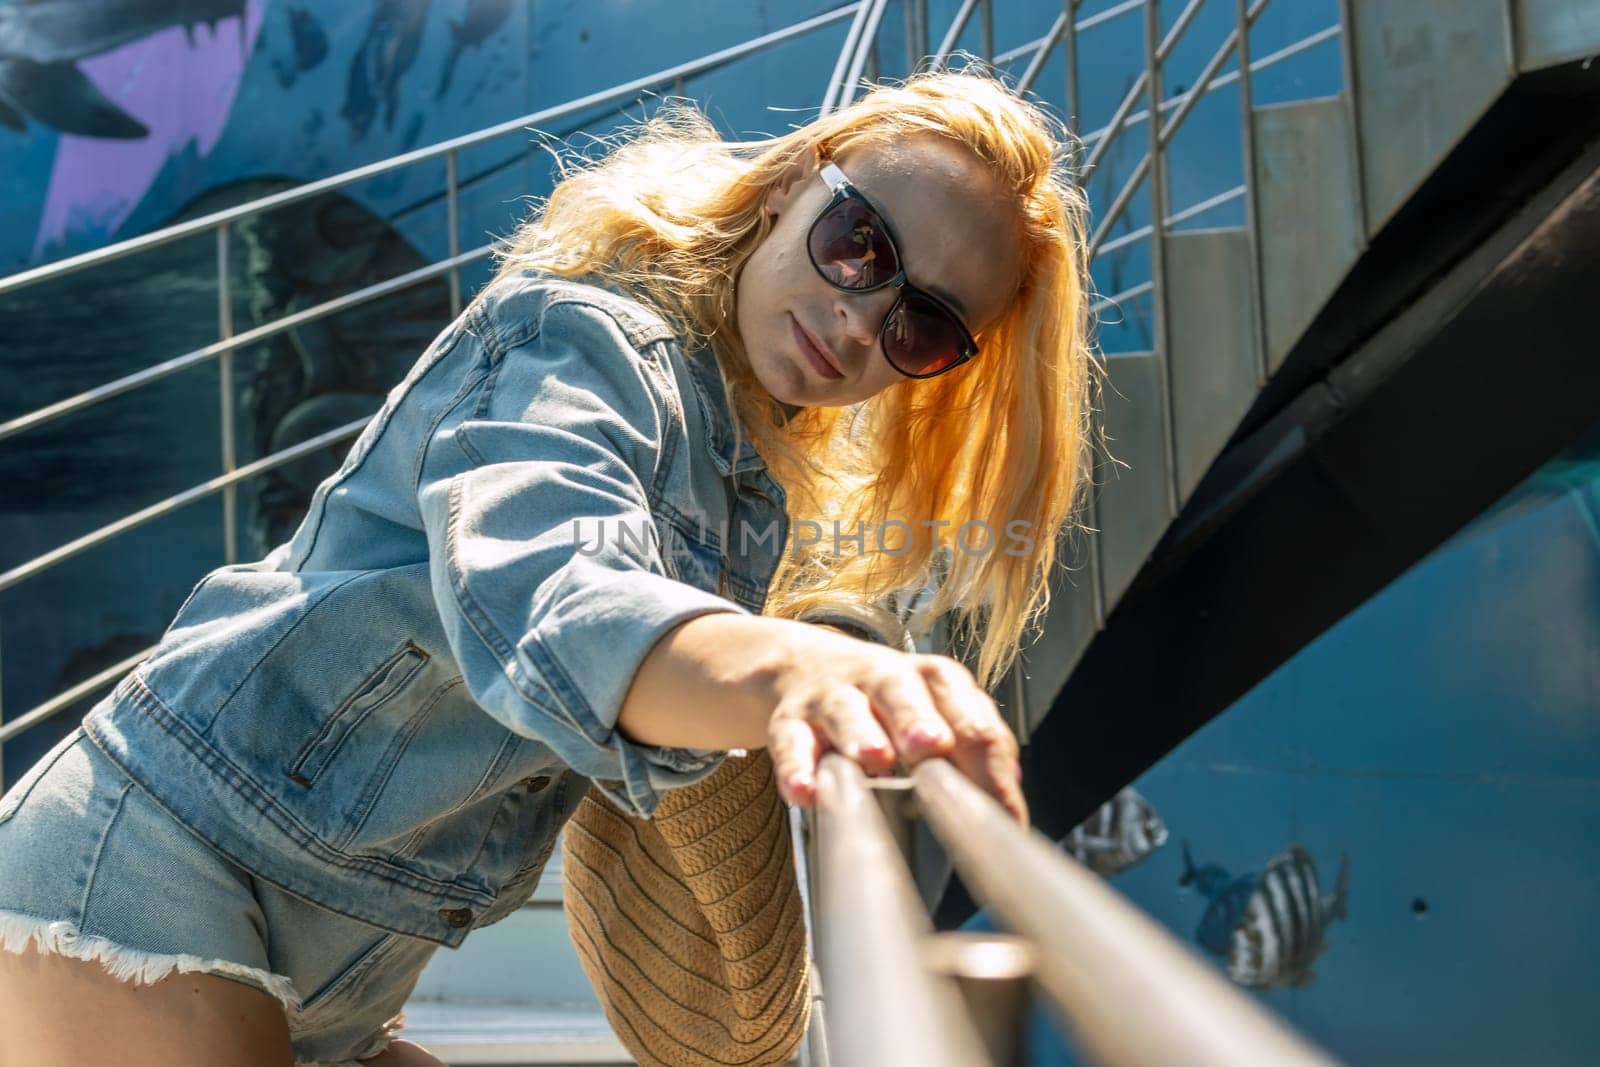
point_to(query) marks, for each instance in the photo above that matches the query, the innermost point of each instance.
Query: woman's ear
(789, 184)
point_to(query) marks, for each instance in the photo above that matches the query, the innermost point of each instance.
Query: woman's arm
(736, 681)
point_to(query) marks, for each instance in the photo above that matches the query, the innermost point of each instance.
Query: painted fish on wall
(1121, 832)
(41, 42)
(1267, 927)
(393, 37)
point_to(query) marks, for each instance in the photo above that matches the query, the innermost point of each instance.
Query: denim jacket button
(456, 917)
(536, 783)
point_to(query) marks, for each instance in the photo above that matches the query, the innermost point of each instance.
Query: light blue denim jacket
(394, 713)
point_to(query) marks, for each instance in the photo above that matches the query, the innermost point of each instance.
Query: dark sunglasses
(853, 249)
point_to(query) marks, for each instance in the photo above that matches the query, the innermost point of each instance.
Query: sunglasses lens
(851, 247)
(921, 338)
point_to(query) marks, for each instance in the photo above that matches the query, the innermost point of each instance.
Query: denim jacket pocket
(389, 679)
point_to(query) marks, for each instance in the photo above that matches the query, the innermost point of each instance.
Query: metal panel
(1555, 31)
(1132, 500)
(1068, 629)
(1306, 204)
(1211, 342)
(1424, 73)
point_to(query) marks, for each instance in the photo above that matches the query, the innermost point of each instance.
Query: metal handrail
(90, 397)
(1130, 992)
(1042, 53)
(1088, 23)
(1222, 81)
(76, 547)
(958, 26)
(884, 1008)
(71, 696)
(1132, 236)
(1185, 104)
(1137, 89)
(1106, 303)
(836, 80)
(846, 90)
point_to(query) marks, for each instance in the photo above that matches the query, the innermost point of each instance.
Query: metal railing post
(957, 26)
(1097, 578)
(866, 48)
(993, 972)
(1352, 106)
(916, 33)
(987, 26)
(230, 497)
(453, 215)
(831, 100)
(1074, 103)
(814, 1046)
(1158, 217)
(1258, 326)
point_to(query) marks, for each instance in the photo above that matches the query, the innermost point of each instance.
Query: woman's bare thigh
(65, 1012)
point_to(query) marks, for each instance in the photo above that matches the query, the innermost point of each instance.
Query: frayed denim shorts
(91, 867)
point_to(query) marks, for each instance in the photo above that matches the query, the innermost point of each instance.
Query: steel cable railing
(219, 223)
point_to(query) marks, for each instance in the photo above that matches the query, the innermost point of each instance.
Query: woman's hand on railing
(872, 704)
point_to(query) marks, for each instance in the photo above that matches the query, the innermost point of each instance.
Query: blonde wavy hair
(671, 212)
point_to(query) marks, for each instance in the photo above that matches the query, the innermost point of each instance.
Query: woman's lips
(812, 353)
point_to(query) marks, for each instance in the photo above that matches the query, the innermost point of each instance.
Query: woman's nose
(861, 314)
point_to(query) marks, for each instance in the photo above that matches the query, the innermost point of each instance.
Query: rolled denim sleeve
(548, 617)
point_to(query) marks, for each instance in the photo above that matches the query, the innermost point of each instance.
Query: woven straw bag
(689, 925)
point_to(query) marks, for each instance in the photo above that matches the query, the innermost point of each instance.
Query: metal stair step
(1424, 74)
(1132, 504)
(1307, 210)
(1549, 32)
(1215, 355)
(1070, 626)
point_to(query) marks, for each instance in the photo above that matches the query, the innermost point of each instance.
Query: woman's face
(956, 233)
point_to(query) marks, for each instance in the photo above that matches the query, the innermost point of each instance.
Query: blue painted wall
(1447, 736)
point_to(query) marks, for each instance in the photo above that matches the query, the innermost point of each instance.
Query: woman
(562, 554)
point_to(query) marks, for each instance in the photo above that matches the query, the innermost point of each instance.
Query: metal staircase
(1325, 176)
(1235, 311)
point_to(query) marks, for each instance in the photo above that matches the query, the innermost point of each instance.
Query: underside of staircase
(1428, 338)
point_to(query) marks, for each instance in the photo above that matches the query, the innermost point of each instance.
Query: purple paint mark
(183, 92)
